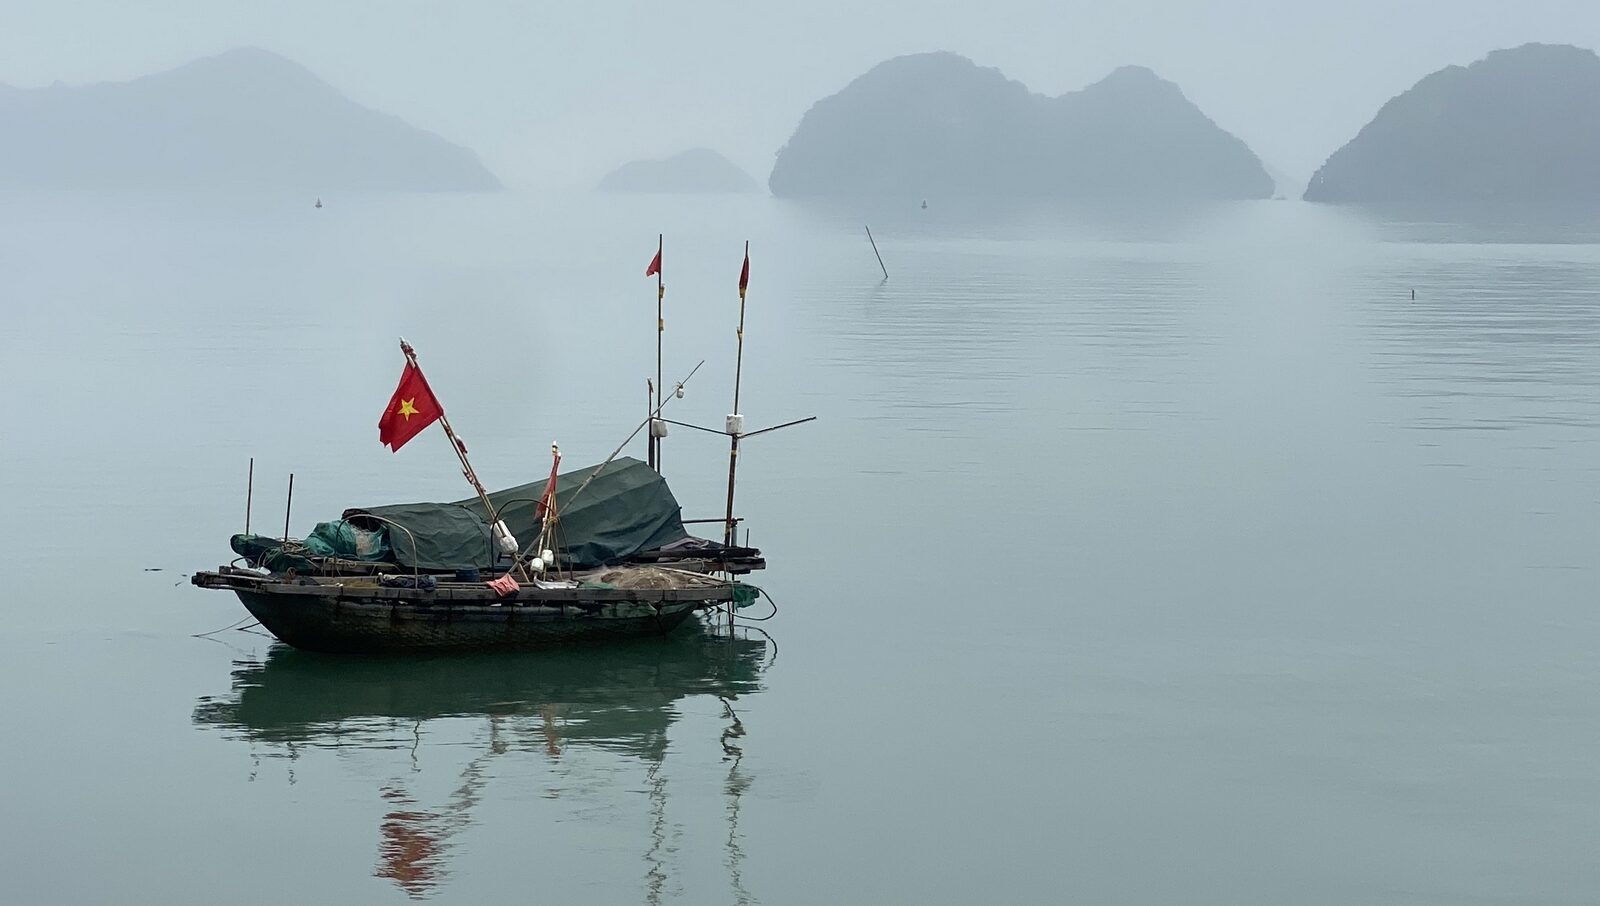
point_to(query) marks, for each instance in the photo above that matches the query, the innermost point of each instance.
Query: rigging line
(618, 451)
(237, 624)
(768, 616)
(696, 427)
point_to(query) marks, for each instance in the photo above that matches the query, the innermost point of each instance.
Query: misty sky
(549, 95)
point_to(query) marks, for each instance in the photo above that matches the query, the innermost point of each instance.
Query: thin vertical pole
(738, 366)
(249, 494)
(875, 251)
(288, 505)
(733, 465)
(461, 454)
(649, 416)
(661, 326)
(728, 535)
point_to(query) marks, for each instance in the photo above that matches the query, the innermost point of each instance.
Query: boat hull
(342, 626)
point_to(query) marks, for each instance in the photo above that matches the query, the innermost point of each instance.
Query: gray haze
(246, 117)
(1212, 554)
(560, 95)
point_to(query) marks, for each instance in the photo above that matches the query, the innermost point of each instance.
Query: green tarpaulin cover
(347, 542)
(628, 508)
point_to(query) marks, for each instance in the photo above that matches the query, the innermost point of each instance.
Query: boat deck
(590, 589)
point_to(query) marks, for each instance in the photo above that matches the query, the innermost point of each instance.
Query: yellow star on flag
(407, 409)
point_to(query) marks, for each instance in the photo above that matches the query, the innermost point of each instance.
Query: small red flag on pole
(549, 495)
(744, 272)
(654, 440)
(412, 408)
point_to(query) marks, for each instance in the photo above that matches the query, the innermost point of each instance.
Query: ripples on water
(1494, 343)
(1136, 556)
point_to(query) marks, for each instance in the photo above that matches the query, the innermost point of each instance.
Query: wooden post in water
(875, 252)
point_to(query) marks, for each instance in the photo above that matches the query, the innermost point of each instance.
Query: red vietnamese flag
(655, 266)
(412, 408)
(744, 272)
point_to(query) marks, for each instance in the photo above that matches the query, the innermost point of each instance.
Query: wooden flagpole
(735, 422)
(661, 326)
(466, 466)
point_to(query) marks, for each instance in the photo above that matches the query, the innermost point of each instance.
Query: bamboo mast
(249, 493)
(466, 466)
(735, 424)
(661, 326)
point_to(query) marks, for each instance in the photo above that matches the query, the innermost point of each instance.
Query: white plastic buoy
(503, 538)
(548, 557)
(734, 424)
(658, 428)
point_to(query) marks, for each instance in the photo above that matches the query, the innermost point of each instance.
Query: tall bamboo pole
(661, 327)
(249, 493)
(466, 466)
(734, 431)
(288, 504)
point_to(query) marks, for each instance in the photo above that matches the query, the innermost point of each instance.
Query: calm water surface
(1135, 558)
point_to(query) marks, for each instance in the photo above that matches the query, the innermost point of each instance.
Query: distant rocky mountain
(245, 118)
(936, 123)
(1519, 125)
(696, 171)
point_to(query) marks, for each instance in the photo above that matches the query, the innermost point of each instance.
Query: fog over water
(1210, 553)
(1146, 556)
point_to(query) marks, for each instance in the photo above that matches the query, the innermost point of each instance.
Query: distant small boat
(319, 203)
(924, 204)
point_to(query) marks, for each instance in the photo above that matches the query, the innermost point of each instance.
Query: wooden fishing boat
(370, 615)
(610, 559)
(430, 576)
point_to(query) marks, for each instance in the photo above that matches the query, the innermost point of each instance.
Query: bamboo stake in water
(875, 251)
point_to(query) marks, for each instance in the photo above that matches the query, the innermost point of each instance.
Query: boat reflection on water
(619, 698)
